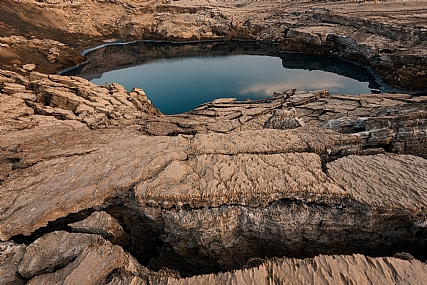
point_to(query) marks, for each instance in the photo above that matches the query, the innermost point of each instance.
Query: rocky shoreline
(98, 187)
(78, 158)
(390, 37)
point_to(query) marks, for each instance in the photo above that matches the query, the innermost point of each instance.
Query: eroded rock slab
(100, 223)
(70, 258)
(152, 163)
(384, 180)
(393, 122)
(244, 179)
(69, 184)
(10, 256)
(216, 189)
(319, 270)
(53, 251)
(268, 141)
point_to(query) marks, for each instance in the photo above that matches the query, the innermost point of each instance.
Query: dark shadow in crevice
(156, 245)
(292, 228)
(144, 243)
(60, 224)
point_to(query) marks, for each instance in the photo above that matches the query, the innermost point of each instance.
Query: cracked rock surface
(153, 199)
(98, 187)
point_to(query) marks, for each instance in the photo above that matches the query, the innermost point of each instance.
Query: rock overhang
(344, 158)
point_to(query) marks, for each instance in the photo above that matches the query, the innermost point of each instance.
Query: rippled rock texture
(98, 187)
(300, 186)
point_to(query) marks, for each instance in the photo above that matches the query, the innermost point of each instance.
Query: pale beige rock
(73, 99)
(284, 119)
(92, 264)
(100, 223)
(389, 121)
(80, 182)
(298, 97)
(29, 67)
(11, 88)
(12, 108)
(128, 281)
(54, 250)
(82, 108)
(10, 256)
(274, 141)
(244, 179)
(323, 269)
(223, 100)
(62, 98)
(385, 180)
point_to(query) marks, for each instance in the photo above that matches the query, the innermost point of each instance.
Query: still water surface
(180, 83)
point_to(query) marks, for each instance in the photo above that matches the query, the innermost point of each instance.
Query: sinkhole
(177, 77)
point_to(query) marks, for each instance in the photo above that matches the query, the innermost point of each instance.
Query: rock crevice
(98, 187)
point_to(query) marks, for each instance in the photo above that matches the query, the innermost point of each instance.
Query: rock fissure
(192, 249)
(60, 224)
(97, 187)
(207, 245)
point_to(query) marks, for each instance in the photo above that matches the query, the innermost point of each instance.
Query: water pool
(179, 77)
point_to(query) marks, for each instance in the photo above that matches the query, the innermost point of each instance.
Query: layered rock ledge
(97, 184)
(389, 36)
(98, 187)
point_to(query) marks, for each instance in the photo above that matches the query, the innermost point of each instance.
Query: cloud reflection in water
(315, 80)
(176, 86)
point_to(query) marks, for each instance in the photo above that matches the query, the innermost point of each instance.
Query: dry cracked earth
(98, 187)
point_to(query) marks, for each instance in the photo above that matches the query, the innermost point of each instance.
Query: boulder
(10, 256)
(53, 251)
(101, 223)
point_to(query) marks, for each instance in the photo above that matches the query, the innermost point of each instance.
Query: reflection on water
(177, 78)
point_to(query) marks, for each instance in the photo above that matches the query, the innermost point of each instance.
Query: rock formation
(388, 36)
(223, 187)
(98, 187)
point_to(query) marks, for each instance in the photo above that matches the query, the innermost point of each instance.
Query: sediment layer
(224, 187)
(98, 187)
(390, 36)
